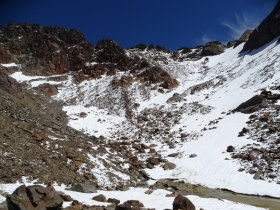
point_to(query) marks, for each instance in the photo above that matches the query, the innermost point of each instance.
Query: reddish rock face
(58, 49)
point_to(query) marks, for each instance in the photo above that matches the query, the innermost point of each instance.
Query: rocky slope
(138, 113)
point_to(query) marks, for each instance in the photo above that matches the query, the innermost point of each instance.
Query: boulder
(182, 203)
(100, 198)
(251, 105)
(84, 188)
(154, 161)
(230, 148)
(34, 197)
(124, 206)
(48, 89)
(135, 203)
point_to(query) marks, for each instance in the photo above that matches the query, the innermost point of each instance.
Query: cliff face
(44, 50)
(268, 30)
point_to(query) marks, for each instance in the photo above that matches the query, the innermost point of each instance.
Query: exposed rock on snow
(268, 30)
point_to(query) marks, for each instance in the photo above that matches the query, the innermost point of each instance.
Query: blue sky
(169, 23)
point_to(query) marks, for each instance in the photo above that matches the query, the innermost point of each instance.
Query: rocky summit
(101, 117)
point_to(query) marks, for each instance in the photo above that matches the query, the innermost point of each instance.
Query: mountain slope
(145, 113)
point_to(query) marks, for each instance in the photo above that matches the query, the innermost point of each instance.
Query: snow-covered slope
(199, 127)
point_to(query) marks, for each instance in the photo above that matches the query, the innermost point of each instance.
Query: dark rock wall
(268, 30)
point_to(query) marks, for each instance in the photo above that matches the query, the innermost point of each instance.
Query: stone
(113, 200)
(264, 117)
(100, 198)
(142, 184)
(193, 155)
(48, 89)
(152, 150)
(182, 203)
(258, 174)
(148, 192)
(154, 161)
(34, 197)
(123, 187)
(230, 148)
(169, 166)
(84, 188)
(135, 203)
(66, 197)
(124, 206)
(251, 157)
(39, 136)
(176, 98)
(173, 155)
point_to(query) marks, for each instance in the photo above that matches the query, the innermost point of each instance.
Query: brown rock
(154, 161)
(182, 203)
(264, 117)
(113, 200)
(169, 166)
(34, 197)
(66, 197)
(251, 157)
(148, 192)
(100, 198)
(152, 150)
(48, 89)
(39, 136)
(135, 203)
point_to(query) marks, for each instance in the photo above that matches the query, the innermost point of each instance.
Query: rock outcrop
(268, 30)
(155, 75)
(213, 48)
(244, 38)
(44, 50)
